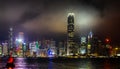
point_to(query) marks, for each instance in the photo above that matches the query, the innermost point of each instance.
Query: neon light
(10, 68)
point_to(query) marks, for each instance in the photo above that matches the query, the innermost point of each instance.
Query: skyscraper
(20, 44)
(70, 34)
(10, 48)
(90, 35)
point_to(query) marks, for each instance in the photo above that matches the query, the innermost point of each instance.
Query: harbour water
(63, 63)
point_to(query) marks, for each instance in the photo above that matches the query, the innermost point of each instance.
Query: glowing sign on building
(83, 50)
(83, 40)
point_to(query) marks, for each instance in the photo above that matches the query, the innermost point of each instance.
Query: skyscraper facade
(10, 48)
(20, 44)
(89, 45)
(70, 34)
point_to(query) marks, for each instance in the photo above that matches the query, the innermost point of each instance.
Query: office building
(70, 34)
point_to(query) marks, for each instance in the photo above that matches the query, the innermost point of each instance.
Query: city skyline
(59, 34)
(41, 18)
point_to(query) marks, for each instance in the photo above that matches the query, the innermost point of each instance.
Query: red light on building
(107, 40)
(110, 47)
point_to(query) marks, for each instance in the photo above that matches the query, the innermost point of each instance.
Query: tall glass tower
(89, 46)
(70, 34)
(10, 40)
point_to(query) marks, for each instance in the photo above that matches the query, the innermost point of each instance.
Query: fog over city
(45, 18)
(59, 34)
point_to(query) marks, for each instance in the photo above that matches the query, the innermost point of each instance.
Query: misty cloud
(43, 16)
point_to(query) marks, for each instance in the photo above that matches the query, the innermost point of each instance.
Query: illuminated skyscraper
(90, 35)
(20, 43)
(21, 36)
(70, 34)
(5, 48)
(10, 40)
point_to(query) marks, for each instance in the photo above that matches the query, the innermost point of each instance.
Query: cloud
(51, 17)
(18, 12)
(41, 18)
(47, 22)
(51, 21)
(12, 13)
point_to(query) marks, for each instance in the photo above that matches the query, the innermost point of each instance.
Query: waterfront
(63, 63)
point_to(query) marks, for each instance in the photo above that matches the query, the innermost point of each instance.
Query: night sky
(48, 18)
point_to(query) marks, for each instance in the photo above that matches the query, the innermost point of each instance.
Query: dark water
(63, 63)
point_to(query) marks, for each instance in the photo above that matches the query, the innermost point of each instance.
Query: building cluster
(44, 48)
(88, 45)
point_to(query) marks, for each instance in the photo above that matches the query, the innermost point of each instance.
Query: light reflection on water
(22, 63)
